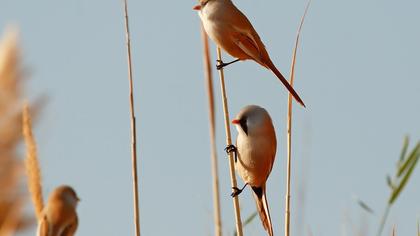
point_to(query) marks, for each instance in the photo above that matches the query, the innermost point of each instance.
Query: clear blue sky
(357, 71)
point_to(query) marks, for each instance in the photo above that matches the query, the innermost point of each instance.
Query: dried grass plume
(32, 166)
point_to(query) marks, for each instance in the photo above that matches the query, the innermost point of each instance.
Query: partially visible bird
(59, 216)
(229, 28)
(256, 146)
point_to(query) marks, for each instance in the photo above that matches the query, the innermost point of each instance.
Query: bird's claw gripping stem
(221, 64)
(237, 191)
(232, 148)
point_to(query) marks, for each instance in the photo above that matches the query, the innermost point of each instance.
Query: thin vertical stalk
(132, 124)
(213, 154)
(289, 128)
(229, 142)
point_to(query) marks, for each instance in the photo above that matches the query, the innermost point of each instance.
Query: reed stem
(289, 128)
(213, 149)
(132, 124)
(229, 142)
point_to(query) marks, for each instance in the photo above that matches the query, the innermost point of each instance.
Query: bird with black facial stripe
(256, 146)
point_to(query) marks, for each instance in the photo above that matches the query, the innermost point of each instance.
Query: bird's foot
(237, 191)
(231, 148)
(220, 64)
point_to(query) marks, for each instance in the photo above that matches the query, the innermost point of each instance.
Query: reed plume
(32, 166)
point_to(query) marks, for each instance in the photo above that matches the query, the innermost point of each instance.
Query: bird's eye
(244, 126)
(203, 3)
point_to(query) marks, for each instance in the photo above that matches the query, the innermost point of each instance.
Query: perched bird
(59, 217)
(256, 146)
(229, 28)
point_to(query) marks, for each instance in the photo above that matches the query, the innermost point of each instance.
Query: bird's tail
(273, 68)
(262, 207)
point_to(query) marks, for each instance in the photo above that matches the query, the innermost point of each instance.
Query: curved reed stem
(289, 127)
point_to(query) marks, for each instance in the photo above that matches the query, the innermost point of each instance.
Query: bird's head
(252, 119)
(66, 194)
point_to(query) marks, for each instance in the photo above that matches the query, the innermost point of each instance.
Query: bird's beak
(235, 121)
(197, 8)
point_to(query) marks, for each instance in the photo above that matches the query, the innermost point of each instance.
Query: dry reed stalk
(289, 127)
(132, 124)
(10, 134)
(32, 166)
(213, 154)
(229, 142)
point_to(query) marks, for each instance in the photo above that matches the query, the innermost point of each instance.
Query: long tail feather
(262, 207)
(273, 68)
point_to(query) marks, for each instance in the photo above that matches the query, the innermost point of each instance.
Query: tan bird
(59, 217)
(256, 146)
(229, 28)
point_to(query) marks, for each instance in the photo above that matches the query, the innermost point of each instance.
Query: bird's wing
(70, 230)
(241, 24)
(247, 45)
(248, 39)
(272, 150)
(43, 226)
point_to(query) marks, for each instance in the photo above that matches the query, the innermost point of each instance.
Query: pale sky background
(357, 71)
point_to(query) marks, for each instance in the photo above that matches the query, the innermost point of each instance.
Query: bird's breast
(255, 160)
